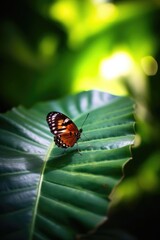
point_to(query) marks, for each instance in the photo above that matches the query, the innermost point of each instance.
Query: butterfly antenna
(83, 124)
(85, 120)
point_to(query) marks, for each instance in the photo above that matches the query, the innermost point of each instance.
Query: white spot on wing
(66, 120)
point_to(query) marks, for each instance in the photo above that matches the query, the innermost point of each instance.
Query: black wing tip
(51, 113)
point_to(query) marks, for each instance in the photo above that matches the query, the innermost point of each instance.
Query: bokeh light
(118, 65)
(149, 65)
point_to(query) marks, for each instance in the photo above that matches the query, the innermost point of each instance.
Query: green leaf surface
(49, 193)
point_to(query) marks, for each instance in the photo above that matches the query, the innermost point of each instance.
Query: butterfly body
(65, 131)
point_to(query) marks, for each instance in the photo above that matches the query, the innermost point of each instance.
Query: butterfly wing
(65, 131)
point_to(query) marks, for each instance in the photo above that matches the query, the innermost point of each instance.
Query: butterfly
(65, 130)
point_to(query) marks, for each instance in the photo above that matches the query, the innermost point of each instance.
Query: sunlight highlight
(118, 65)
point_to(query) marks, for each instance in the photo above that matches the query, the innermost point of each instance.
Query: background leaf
(47, 193)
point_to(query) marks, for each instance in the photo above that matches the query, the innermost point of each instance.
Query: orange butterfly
(65, 131)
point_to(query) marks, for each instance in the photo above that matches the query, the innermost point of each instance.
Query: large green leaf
(47, 193)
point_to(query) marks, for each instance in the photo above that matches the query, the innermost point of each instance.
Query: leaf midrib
(39, 188)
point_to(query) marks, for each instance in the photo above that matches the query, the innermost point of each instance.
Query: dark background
(53, 48)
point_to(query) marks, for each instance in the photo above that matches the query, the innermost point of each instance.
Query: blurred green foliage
(53, 48)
